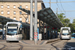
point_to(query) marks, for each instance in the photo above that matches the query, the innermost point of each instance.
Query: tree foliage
(72, 26)
(66, 22)
(63, 20)
(61, 16)
(73, 20)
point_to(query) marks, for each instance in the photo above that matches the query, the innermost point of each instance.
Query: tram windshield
(65, 32)
(12, 31)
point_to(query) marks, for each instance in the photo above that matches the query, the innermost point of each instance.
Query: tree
(61, 16)
(72, 26)
(73, 20)
(64, 21)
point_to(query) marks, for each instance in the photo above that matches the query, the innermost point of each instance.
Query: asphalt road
(70, 45)
(22, 45)
(64, 44)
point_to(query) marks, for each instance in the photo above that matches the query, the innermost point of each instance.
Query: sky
(67, 8)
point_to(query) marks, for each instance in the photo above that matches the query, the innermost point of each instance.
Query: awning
(47, 16)
(4, 20)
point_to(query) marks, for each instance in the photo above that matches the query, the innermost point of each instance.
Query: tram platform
(42, 42)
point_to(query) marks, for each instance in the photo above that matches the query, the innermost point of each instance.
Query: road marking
(23, 42)
(42, 42)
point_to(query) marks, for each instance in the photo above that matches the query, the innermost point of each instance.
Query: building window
(14, 18)
(8, 6)
(20, 18)
(1, 12)
(8, 12)
(14, 6)
(14, 12)
(26, 6)
(20, 12)
(1, 6)
(20, 6)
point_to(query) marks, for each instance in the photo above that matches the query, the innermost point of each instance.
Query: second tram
(65, 33)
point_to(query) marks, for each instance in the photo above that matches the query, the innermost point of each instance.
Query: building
(9, 9)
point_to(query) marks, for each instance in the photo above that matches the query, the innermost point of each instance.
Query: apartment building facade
(9, 9)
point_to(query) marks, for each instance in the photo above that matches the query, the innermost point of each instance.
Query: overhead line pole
(31, 17)
(35, 24)
(50, 3)
(56, 8)
(57, 11)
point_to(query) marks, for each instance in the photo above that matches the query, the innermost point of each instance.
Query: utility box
(40, 37)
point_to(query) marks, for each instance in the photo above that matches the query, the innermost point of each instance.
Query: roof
(4, 20)
(18, 0)
(47, 16)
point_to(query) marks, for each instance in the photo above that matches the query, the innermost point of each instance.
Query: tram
(65, 33)
(15, 31)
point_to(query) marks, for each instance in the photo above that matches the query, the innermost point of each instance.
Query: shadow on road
(12, 42)
(69, 46)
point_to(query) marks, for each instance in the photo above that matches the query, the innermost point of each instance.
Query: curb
(51, 40)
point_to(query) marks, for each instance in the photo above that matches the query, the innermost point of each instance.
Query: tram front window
(12, 32)
(65, 33)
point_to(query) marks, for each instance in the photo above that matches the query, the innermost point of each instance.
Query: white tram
(65, 33)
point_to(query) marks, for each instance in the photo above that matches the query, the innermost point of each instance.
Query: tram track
(54, 40)
(4, 46)
(52, 44)
(11, 45)
(21, 47)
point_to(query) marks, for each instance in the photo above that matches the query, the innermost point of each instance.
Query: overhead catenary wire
(62, 7)
(67, 11)
(61, 2)
(58, 5)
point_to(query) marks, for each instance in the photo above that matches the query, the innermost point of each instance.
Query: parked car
(73, 35)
